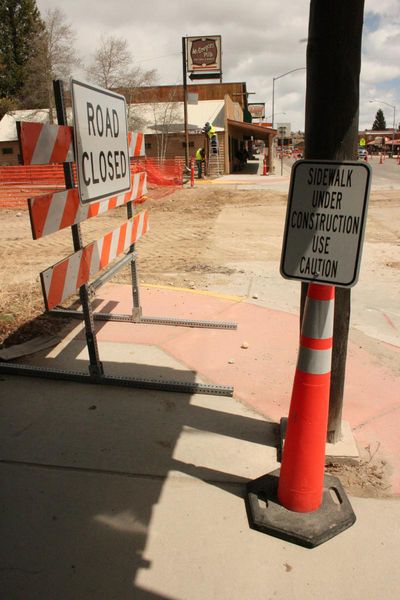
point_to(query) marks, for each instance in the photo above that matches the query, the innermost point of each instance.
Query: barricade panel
(135, 144)
(55, 211)
(45, 143)
(65, 278)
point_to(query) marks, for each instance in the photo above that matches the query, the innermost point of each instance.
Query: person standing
(200, 155)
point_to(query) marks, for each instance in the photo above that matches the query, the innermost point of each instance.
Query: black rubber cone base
(310, 529)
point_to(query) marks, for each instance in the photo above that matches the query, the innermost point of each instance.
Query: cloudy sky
(260, 40)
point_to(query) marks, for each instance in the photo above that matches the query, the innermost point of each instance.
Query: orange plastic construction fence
(164, 172)
(18, 183)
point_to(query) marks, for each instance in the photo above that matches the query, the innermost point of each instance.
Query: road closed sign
(325, 222)
(101, 142)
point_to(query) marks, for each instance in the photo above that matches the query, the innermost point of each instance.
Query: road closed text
(104, 165)
(101, 142)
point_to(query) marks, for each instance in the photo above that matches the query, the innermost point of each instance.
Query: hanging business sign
(257, 110)
(101, 142)
(325, 222)
(204, 54)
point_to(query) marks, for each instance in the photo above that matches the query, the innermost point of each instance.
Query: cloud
(377, 72)
(260, 40)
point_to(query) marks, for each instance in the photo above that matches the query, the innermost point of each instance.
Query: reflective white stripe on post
(318, 318)
(314, 362)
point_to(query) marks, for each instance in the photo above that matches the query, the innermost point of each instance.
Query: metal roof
(169, 115)
(156, 116)
(8, 127)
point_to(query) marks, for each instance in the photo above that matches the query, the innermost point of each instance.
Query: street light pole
(394, 118)
(273, 88)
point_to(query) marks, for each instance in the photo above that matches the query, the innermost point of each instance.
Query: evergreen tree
(20, 23)
(379, 123)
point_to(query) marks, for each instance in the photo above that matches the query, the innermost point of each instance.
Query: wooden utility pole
(332, 100)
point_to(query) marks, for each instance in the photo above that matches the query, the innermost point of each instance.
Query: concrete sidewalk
(112, 492)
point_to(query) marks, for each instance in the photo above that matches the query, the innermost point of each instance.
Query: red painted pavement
(262, 374)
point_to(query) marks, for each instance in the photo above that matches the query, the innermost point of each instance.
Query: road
(384, 176)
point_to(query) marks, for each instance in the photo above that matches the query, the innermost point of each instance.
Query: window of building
(147, 145)
(191, 144)
(7, 150)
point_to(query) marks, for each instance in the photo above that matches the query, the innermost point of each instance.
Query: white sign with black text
(325, 221)
(101, 142)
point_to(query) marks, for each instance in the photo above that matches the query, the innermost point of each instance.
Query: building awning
(258, 132)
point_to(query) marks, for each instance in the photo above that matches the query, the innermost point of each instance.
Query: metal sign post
(95, 365)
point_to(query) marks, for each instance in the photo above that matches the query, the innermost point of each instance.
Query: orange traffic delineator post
(298, 503)
(302, 471)
(265, 169)
(192, 172)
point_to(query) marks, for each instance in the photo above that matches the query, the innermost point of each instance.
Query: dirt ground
(188, 245)
(199, 238)
(180, 249)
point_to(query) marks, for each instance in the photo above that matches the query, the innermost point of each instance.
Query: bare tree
(135, 80)
(167, 116)
(110, 63)
(112, 68)
(54, 58)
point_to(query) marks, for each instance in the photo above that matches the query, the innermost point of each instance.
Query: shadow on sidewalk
(84, 468)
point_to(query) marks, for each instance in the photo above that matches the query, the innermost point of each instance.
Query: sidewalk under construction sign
(101, 142)
(325, 222)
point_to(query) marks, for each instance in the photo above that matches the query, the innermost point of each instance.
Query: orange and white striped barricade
(66, 277)
(44, 144)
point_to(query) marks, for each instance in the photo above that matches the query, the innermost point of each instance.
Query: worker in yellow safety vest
(212, 135)
(200, 155)
(209, 129)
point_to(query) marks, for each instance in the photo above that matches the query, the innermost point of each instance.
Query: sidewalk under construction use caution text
(325, 222)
